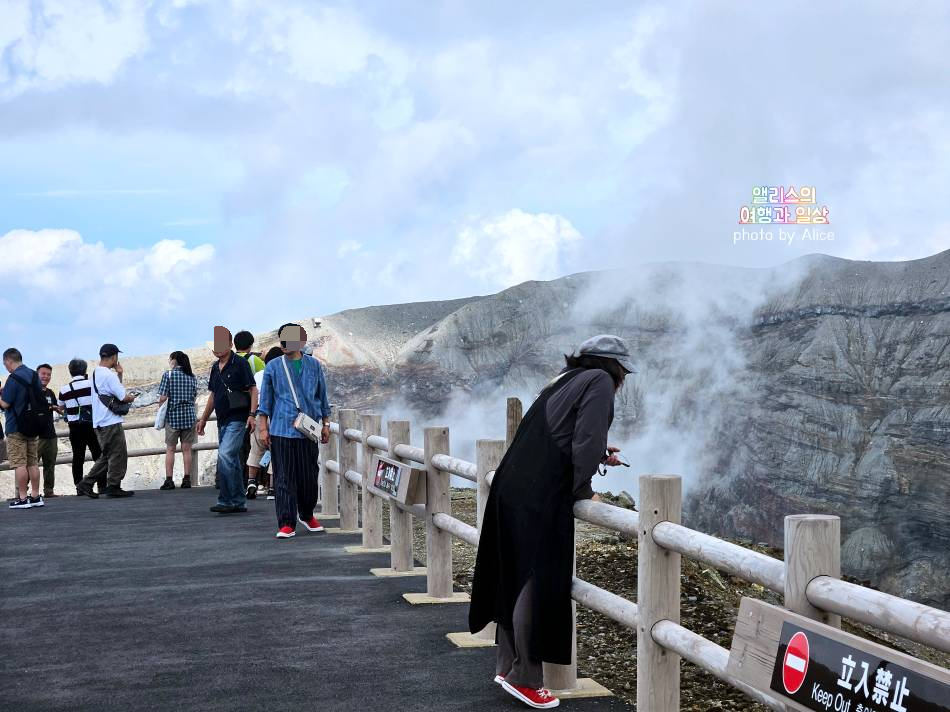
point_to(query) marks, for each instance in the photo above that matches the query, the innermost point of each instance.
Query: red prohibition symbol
(795, 664)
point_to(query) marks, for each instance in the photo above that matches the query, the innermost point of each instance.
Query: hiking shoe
(20, 503)
(311, 525)
(36, 501)
(117, 491)
(282, 533)
(271, 494)
(185, 482)
(168, 484)
(540, 699)
(85, 490)
(251, 489)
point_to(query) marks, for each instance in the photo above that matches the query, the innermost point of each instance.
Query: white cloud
(515, 247)
(59, 273)
(348, 247)
(72, 40)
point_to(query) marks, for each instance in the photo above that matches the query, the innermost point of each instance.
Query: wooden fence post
(658, 595)
(438, 499)
(349, 493)
(195, 474)
(812, 548)
(331, 481)
(371, 424)
(400, 522)
(488, 454)
(513, 420)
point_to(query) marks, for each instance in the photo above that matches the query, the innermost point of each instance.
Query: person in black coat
(525, 560)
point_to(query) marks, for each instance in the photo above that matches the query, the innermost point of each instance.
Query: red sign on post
(795, 664)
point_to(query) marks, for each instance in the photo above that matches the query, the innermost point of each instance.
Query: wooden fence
(809, 578)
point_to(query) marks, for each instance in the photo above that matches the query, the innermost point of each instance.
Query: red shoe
(285, 532)
(539, 699)
(499, 678)
(311, 525)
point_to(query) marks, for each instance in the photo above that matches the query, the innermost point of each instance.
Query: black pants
(296, 471)
(513, 659)
(82, 436)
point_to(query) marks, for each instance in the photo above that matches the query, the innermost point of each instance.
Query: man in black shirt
(48, 444)
(234, 400)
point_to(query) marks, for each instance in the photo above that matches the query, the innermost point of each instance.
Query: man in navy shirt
(21, 450)
(234, 401)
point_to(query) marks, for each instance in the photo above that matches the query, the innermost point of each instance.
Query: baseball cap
(608, 346)
(107, 350)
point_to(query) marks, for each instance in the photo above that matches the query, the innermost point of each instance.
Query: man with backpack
(109, 403)
(76, 398)
(26, 411)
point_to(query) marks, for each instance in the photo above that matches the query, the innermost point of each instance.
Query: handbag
(303, 423)
(115, 405)
(160, 416)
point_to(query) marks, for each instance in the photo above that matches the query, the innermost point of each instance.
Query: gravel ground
(606, 651)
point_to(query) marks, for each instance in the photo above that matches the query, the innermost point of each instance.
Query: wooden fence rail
(808, 578)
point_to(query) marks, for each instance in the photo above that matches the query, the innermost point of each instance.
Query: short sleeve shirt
(106, 383)
(49, 428)
(181, 390)
(235, 376)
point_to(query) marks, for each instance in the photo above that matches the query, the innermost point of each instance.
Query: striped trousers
(296, 471)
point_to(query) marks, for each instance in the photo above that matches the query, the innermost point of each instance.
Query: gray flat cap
(608, 346)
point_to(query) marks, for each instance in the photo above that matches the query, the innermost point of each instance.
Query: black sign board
(387, 477)
(824, 675)
(397, 480)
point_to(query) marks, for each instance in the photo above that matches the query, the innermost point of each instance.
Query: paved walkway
(154, 603)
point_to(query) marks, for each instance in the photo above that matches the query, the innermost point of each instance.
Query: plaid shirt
(181, 390)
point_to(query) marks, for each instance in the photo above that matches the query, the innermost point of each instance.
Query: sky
(176, 164)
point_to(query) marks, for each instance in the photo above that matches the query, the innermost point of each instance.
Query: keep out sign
(823, 674)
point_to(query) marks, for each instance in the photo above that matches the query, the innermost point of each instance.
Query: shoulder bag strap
(290, 382)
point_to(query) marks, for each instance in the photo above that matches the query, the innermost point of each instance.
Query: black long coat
(528, 532)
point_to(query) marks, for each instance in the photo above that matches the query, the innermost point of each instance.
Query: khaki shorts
(188, 436)
(257, 451)
(22, 451)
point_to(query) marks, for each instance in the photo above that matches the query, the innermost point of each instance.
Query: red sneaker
(499, 678)
(539, 699)
(311, 525)
(285, 532)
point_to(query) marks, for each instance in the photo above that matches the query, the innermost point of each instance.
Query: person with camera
(234, 401)
(525, 560)
(110, 402)
(294, 402)
(76, 399)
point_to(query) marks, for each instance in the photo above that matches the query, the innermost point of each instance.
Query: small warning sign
(795, 664)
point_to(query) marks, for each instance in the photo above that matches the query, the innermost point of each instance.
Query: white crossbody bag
(303, 423)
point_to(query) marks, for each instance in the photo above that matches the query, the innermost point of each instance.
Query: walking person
(48, 447)
(76, 400)
(179, 388)
(234, 400)
(524, 564)
(243, 343)
(294, 384)
(22, 399)
(109, 399)
(256, 462)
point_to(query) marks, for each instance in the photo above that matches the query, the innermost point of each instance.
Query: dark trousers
(296, 471)
(82, 436)
(513, 659)
(114, 460)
